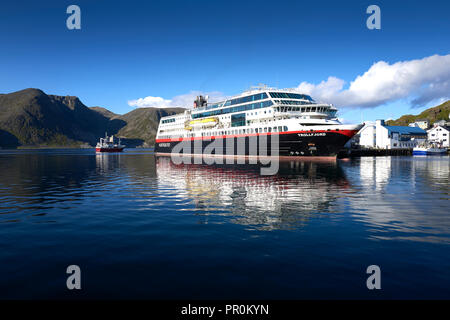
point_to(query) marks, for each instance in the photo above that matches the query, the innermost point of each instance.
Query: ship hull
(429, 152)
(300, 143)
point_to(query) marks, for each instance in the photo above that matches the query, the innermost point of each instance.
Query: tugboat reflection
(287, 200)
(107, 162)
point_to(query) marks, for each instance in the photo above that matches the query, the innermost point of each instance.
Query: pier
(351, 153)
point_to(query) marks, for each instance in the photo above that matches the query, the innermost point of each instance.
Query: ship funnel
(200, 101)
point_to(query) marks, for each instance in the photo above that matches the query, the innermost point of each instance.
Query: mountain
(440, 112)
(142, 123)
(137, 127)
(104, 112)
(37, 119)
(32, 118)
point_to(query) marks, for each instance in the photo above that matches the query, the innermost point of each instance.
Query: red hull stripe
(348, 133)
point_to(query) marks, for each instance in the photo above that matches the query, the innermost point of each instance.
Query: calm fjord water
(141, 227)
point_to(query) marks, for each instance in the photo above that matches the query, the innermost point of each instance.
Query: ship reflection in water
(300, 190)
(198, 231)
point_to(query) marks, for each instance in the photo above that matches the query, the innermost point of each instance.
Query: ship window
(254, 97)
(265, 129)
(233, 109)
(290, 95)
(285, 128)
(274, 129)
(238, 120)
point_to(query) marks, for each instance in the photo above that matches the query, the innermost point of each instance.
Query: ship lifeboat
(204, 123)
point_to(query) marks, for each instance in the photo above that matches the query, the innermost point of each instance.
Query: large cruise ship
(249, 123)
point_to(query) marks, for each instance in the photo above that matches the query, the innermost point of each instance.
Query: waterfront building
(379, 135)
(439, 134)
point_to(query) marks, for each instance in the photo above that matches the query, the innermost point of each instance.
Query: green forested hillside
(439, 112)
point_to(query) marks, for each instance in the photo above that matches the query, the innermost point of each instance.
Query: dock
(352, 153)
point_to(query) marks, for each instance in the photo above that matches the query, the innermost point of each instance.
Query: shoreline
(62, 147)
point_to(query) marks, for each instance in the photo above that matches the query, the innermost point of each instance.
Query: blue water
(141, 227)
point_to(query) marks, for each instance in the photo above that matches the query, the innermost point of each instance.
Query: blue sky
(128, 50)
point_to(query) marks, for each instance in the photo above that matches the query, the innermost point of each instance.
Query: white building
(442, 123)
(378, 135)
(421, 123)
(439, 134)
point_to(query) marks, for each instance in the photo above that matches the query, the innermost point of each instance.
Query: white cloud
(419, 81)
(150, 101)
(183, 101)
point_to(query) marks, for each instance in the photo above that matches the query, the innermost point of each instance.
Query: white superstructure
(260, 110)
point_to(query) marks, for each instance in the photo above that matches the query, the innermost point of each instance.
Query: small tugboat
(429, 149)
(107, 144)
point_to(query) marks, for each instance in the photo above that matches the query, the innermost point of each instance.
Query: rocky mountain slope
(31, 118)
